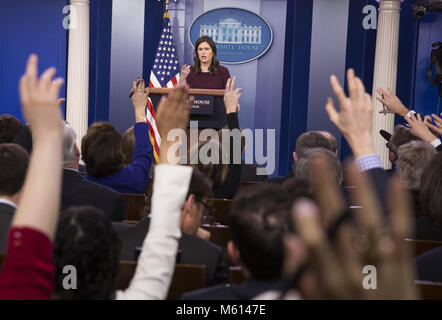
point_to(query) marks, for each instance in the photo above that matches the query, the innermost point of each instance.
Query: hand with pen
(391, 102)
(138, 95)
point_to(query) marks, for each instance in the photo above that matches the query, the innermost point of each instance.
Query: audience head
(332, 140)
(259, 219)
(400, 136)
(310, 140)
(100, 150)
(193, 210)
(212, 168)
(128, 146)
(431, 189)
(24, 138)
(71, 154)
(14, 164)
(298, 188)
(86, 240)
(412, 159)
(9, 127)
(303, 167)
(205, 41)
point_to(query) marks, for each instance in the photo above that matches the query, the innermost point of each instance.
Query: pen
(132, 93)
(383, 106)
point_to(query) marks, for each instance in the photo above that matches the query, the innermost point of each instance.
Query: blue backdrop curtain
(153, 22)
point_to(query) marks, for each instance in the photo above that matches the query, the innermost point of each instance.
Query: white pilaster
(78, 68)
(385, 70)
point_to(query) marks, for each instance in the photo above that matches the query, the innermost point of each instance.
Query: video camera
(421, 7)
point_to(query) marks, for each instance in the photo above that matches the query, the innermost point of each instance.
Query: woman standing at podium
(206, 72)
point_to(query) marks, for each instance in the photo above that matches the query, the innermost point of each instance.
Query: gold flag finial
(166, 12)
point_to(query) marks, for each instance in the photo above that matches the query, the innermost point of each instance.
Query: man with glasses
(193, 246)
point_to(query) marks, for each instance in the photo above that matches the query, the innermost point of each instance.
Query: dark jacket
(429, 265)
(6, 214)
(248, 172)
(77, 191)
(281, 180)
(427, 229)
(231, 185)
(192, 250)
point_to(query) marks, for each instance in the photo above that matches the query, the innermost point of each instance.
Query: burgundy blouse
(205, 80)
(28, 270)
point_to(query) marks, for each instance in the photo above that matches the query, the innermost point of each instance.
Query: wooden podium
(208, 108)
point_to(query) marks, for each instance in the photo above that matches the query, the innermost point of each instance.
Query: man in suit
(77, 191)
(259, 220)
(306, 141)
(192, 248)
(13, 163)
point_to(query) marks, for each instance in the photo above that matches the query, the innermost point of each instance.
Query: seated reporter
(335, 258)
(258, 222)
(100, 150)
(157, 259)
(429, 226)
(14, 162)
(28, 270)
(193, 248)
(307, 141)
(77, 191)
(413, 158)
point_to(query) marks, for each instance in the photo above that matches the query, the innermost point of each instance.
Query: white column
(385, 70)
(77, 98)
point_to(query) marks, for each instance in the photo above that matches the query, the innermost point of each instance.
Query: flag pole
(166, 12)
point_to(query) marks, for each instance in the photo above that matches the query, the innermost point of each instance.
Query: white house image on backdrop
(230, 30)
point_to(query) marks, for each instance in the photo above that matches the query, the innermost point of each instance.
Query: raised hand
(419, 128)
(172, 113)
(139, 93)
(437, 120)
(39, 99)
(391, 102)
(338, 262)
(355, 117)
(39, 204)
(185, 70)
(231, 96)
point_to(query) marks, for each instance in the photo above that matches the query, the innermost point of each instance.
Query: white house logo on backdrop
(240, 35)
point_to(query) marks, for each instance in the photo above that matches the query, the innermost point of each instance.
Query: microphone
(385, 135)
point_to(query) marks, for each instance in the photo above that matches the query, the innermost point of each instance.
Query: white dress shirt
(156, 262)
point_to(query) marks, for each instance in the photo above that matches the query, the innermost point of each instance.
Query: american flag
(165, 74)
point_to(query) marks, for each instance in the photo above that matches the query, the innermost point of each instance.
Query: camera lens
(419, 12)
